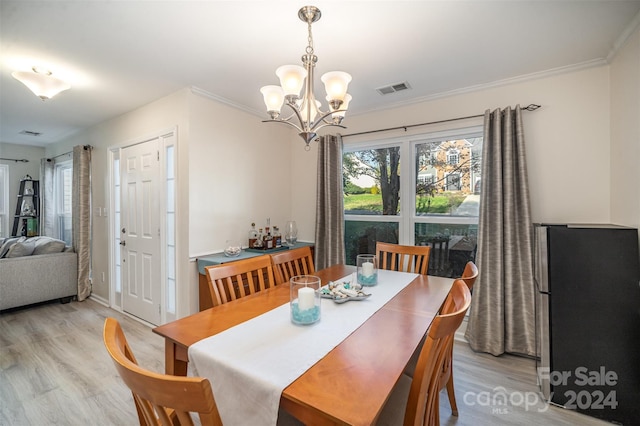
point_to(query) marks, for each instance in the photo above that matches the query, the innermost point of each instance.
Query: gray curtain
(329, 245)
(47, 203)
(502, 317)
(81, 216)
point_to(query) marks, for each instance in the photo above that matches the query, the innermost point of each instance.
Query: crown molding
(478, 87)
(205, 94)
(622, 39)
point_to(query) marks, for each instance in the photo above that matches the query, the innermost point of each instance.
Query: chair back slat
(160, 399)
(396, 257)
(235, 280)
(289, 263)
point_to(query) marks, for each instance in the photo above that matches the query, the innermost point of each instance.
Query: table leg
(175, 359)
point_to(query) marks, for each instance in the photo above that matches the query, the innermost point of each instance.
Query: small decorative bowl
(233, 249)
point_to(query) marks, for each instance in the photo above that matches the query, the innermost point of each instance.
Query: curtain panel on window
(47, 201)
(81, 216)
(329, 235)
(502, 316)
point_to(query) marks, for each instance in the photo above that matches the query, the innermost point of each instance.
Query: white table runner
(250, 364)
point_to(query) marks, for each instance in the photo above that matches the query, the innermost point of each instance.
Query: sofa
(34, 270)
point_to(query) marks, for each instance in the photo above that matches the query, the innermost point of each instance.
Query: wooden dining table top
(351, 384)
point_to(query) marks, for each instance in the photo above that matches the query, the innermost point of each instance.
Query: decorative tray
(271, 250)
(342, 292)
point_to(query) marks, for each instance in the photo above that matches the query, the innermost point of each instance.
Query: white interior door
(140, 231)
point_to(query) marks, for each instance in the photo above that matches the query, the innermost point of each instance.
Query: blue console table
(220, 258)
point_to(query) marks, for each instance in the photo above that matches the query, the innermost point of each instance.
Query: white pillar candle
(306, 298)
(367, 269)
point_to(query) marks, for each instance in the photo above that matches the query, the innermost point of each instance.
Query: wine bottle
(253, 235)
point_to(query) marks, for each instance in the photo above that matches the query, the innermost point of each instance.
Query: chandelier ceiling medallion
(307, 117)
(41, 82)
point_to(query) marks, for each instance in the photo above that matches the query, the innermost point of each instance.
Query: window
(63, 186)
(4, 200)
(430, 198)
(452, 181)
(452, 157)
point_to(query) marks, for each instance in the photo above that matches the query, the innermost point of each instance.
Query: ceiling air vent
(30, 133)
(392, 88)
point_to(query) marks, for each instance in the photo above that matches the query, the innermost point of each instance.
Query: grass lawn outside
(372, 203)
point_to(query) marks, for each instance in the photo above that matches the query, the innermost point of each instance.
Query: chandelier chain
(309, 40)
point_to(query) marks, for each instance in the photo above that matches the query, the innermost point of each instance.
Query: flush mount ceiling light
(306, 109)
(41, 82)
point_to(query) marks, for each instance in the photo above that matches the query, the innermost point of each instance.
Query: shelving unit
(25, 220)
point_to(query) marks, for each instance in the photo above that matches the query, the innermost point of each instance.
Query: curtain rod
(60, 155)
(17, 160)
(530, 107)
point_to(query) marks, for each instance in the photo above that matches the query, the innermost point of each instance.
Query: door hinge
(158, 152)
(159, 310)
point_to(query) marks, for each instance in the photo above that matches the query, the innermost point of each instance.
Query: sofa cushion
(48, 245)
(8, 243)
(21, 248)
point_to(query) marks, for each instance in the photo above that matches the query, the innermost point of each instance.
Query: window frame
(407, 217)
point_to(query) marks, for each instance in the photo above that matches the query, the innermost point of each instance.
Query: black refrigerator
(588, 319)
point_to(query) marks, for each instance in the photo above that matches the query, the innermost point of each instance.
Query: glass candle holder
(232, 248)
(304, 299)
(367, 265)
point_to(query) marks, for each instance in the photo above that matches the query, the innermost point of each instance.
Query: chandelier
(307, 117)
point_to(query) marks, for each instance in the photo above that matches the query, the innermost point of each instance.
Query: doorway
(142, 255)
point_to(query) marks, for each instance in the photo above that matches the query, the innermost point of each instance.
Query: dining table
(352, 382)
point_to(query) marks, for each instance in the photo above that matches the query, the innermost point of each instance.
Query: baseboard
(99, 300)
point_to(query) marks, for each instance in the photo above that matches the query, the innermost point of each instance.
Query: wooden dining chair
(234, 280)
(415, 401)
(469, 276)
(160, 399)
(289, 263)
(396, 257)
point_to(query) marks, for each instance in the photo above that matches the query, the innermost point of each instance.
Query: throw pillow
(48, 245)
(8, 243)
(23, 248)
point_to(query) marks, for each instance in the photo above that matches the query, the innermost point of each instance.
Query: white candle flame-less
(306, 298)
(367, 269)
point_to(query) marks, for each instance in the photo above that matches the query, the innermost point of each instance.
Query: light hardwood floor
(54, 369)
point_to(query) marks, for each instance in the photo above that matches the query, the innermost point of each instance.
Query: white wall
(18, 170)
(567, 140)
(625, 134)
(238, 174)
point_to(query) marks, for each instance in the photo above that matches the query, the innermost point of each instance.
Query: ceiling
(119, 55)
